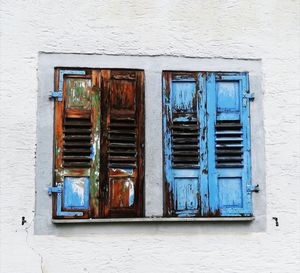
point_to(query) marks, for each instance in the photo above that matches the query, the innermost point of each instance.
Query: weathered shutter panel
(76, 179)
(122, 143)
(185, 156)
(229, 144)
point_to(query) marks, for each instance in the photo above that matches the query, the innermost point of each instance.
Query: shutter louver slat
(185, 165)
(77, 143)
(229, 144)
(122, 143)
(185, 144)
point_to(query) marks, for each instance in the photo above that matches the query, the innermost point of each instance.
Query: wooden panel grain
(76, 141)
(122, 142)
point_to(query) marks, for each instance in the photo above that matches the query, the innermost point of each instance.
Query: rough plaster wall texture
(231, 29)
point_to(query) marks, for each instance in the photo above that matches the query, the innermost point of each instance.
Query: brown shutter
(76, 179)
(122, 143)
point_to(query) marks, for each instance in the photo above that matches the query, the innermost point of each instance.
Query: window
(198, 163)
(206, 123)
(99, 143)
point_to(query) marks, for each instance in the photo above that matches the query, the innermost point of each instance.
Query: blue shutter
(229, 144)
(185, 157)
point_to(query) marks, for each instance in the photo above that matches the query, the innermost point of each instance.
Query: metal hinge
(253, 188)
(250, 96)
(54, 189)
(57, 95)
(59, 212)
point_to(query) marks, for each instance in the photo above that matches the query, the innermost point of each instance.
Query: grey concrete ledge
(153, 219)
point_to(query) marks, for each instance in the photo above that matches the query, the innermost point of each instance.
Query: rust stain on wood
(99, 134)
(122, 142)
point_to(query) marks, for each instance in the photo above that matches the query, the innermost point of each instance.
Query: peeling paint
(216, 97)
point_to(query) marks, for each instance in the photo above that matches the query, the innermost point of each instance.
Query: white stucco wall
(266, 30)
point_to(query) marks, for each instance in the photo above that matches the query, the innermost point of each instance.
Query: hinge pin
(57, 95)
(253, 188)
(256, 188)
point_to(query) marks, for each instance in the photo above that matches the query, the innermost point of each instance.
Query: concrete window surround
(153, 67)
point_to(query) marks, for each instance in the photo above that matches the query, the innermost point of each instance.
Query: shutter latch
(57, 95)
(253, 188)
(59, 211)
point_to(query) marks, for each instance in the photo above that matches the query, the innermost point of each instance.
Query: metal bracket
(253, 188)
(250, 96)
(62, 72)
(54, 189)
(57, 95)
(59, 211)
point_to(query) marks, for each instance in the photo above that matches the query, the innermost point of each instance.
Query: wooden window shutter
(185, 156)
(229, 144)
(76, 180)
(122, 143)
(99, 143)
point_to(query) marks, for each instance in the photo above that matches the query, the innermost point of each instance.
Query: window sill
(153, 220)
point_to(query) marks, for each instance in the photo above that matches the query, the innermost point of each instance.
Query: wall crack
(27, 229)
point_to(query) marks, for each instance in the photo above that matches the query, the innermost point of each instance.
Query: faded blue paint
(76, 192)
(183, 93)
(92, 154)
(63, 72)
(203, 144)
(167, 137)
(228, 100)
(58, 190)
(228, 192)
(186, 193)
(187, 98)
(186, 117)
(223, 191)
(128, 171)
(131, 193)
(125, 171)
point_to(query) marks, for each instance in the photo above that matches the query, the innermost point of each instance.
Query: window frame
(152, 67)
